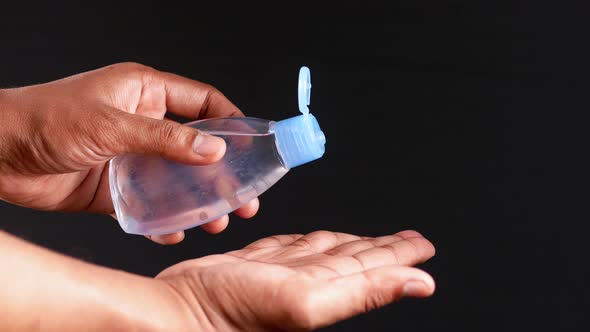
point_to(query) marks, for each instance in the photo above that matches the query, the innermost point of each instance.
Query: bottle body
(154, 196)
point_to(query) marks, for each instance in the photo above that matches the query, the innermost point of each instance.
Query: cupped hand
(295, 282)
(58, 137)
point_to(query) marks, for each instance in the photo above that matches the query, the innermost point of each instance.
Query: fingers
(167, 239)
(121, 133)
(213, 227)
(219, 225)
(348, 296)
(404, 248)
(216, 226)
(274, 241)
(249, 209)
(192, 99)
(404, 252)
(321, 241)
(383, 285)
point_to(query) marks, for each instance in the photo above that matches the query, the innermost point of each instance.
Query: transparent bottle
(154, 196)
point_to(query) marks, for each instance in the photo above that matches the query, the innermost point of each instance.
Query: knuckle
(215, 92)
(212, 95)
(375, 301)
(168, 131)
(133, 67)
(208, 87)
(107, 128)
(322, 234)
(409, 234)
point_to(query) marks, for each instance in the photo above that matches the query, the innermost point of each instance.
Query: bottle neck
(299, 140)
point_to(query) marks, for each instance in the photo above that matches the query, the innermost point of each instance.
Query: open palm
(294, 282)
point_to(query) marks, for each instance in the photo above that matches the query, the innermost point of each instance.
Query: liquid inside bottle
(155, 196)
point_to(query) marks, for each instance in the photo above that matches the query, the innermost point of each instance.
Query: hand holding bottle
(152, 195)
(58, 137)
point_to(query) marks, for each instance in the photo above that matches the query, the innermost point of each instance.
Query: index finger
(193, 99)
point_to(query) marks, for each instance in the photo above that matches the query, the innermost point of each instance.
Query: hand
(58, 137)
(295, 282)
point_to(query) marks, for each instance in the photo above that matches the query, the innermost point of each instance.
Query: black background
(464, 120)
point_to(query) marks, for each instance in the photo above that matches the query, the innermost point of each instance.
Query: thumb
(349, 295)
(132, 133)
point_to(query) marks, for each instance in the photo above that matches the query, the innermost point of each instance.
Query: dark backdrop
(464, 120)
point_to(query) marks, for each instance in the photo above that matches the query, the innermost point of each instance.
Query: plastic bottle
(154, 196)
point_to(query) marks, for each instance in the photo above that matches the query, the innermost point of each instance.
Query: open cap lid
(304, 89)
(299, 138)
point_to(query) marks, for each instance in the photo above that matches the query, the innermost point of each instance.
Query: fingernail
(206, 144)
(414, 288)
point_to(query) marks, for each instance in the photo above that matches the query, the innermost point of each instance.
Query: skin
(56, 140)
(54, 153)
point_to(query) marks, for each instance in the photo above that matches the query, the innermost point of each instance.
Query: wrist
(52, 292)
(130, 302)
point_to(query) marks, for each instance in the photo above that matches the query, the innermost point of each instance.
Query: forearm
(42, 290)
